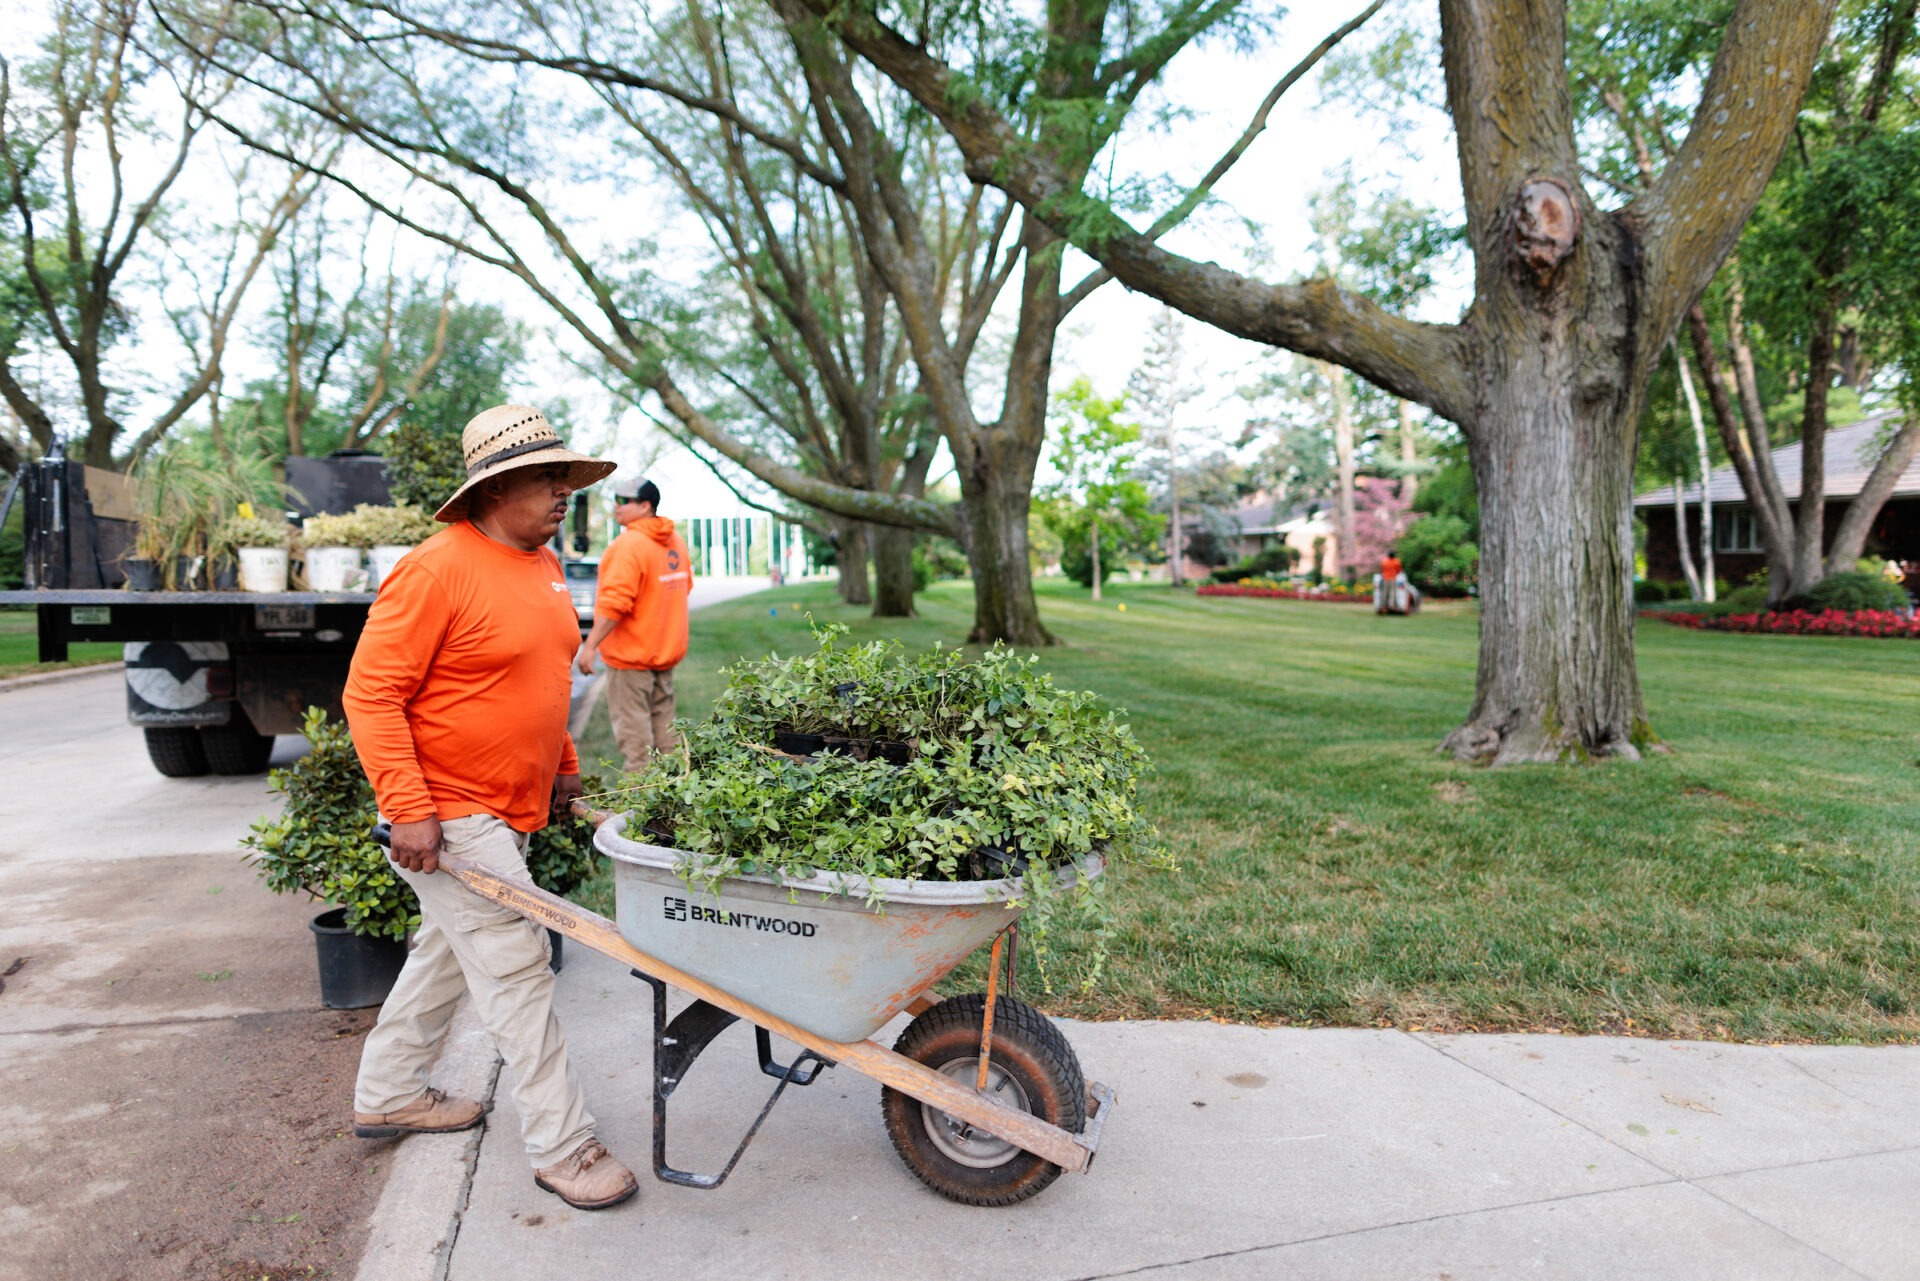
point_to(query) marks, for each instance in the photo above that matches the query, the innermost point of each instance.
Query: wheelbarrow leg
(677, 1045)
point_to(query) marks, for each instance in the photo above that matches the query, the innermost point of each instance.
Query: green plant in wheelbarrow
(907, 783)
(320, 845)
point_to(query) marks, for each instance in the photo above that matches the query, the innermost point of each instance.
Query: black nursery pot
(143, 574)
(355, 971)
(797, 744)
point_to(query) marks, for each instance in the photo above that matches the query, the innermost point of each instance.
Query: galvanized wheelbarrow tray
(983, 1098)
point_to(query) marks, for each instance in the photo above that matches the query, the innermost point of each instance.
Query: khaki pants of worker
(466, 943)
(640, 703)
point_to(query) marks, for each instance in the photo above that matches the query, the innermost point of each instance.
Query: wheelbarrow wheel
(1032, 1067)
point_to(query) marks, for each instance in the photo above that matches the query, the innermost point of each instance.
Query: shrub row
(1255, 587)
(1802, 622)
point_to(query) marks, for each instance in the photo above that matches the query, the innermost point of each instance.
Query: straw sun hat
(506, 437)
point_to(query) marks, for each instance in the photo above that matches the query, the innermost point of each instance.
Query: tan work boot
(589, 1179)
(431, 1113)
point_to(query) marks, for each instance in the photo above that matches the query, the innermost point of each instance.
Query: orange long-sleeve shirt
(645, 575)
(459, 688)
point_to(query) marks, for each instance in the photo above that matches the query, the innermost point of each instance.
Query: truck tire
(175, 751)
(236, 747)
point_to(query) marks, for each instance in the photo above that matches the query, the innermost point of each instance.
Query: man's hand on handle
(416, 846)
(566, 789)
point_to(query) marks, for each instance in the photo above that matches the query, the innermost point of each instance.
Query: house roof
(1850, 453)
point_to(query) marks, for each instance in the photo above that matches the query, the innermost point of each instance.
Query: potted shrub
(392, 532)
(263, 547)
(321, 845)
(331, 549)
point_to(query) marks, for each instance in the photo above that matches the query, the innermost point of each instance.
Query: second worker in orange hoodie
(640, 622)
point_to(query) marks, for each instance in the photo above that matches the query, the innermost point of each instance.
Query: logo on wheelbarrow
(678, 909)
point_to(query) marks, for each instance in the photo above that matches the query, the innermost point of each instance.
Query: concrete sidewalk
(1234, 1153)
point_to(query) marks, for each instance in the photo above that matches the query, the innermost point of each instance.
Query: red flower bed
(1802, 622)
(1284, 593)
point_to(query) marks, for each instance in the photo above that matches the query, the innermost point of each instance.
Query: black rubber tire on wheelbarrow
(1032, 1067)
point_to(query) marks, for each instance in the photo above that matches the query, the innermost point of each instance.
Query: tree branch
(1691, 217)
(1418, 362)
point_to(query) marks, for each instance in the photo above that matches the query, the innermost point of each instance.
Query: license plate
(91, 615)
(283, 617)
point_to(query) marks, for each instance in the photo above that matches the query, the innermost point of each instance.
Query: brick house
(1850, 454)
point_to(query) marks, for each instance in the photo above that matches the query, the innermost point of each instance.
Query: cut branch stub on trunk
(1545, 227)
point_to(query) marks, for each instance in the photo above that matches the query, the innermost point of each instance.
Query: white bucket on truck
(263, 569)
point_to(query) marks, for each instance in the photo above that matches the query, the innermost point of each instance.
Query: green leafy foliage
(1096, 495)
(1274, 562)
(402, 525)
(251, 531)
(1858, 590)
(320, 842)
(560, 856)
(936, 558)
(1440, 556)
(1007, 774)
(424, 463)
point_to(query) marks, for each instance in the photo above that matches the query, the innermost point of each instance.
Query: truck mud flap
(179, 683)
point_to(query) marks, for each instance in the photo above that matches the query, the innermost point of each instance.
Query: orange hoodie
(645, 575)
(459, 688)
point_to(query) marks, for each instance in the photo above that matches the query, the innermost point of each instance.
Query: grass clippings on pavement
(1761, 883)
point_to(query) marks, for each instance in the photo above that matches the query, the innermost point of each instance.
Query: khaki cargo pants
(466, 943)
(640, 704)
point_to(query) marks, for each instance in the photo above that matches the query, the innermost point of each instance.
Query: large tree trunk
(851, 555)
(1555, 476)
(996, 498)
(892, 572)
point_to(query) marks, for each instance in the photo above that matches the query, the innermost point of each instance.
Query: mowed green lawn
(20, 647)
(1761, 883)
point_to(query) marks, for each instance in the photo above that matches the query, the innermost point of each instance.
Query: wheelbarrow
(982, 1096)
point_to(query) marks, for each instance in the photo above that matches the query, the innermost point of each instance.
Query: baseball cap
(638, 491)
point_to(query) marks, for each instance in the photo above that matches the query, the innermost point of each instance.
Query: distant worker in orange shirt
(457, 698)
(640, 622)
(1392, 593)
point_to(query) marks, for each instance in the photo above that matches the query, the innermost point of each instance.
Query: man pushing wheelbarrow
(457, 699)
